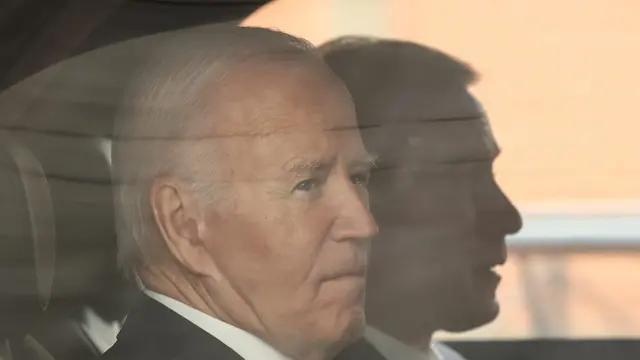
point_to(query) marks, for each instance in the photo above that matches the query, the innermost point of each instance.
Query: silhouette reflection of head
(442, 216)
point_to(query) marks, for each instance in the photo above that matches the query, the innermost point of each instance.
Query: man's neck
(177, 287)
(420, 342)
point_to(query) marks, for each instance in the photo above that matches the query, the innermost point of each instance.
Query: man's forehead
(452, 141)
(448, 104)
(287, 153)
(430, 103)
(274, 98)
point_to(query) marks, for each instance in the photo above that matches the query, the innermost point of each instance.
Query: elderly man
(242, 204)
(443, 218)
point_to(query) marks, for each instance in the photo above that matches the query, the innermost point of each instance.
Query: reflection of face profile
(443, 218)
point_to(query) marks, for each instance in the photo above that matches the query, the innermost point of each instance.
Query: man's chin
(477, 308)
(473, 316)
(356, 328)
(348, 323)
(342, 335)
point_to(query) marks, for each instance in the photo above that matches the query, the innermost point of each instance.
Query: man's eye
(360, 179)
(306, 185)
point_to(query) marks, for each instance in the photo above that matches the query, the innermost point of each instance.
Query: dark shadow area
(35, 34)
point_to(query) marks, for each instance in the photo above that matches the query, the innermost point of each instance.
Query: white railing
(576, 233)
(557, 236)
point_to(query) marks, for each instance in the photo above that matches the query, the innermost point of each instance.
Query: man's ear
(179, 220)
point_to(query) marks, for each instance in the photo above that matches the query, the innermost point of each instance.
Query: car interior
(61, 292)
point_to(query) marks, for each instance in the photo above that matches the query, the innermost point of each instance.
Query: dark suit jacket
(154, 332)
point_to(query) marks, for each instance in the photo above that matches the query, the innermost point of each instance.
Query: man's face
(443, 220)
(294, 242)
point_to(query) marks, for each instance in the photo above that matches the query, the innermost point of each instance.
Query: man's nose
(353, 220)
(500, 213)
(515, 219)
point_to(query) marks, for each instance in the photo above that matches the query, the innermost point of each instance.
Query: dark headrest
(27, 254)
(61, 116)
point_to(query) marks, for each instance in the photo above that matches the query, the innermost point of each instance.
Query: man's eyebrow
(302, 164)
(368, 161)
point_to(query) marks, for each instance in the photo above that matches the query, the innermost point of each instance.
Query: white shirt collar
(103, 334)
(391, 348)
(433, 354)
(245, 344)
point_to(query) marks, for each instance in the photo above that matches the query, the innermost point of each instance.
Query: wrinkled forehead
(284, 96)
(268, 114)
(295, 151)
(413, 102)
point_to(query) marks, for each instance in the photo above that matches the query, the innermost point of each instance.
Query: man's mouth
(497, 269)
(350, 273)
(493, 267)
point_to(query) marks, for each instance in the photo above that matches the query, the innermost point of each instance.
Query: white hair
(160, 116)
